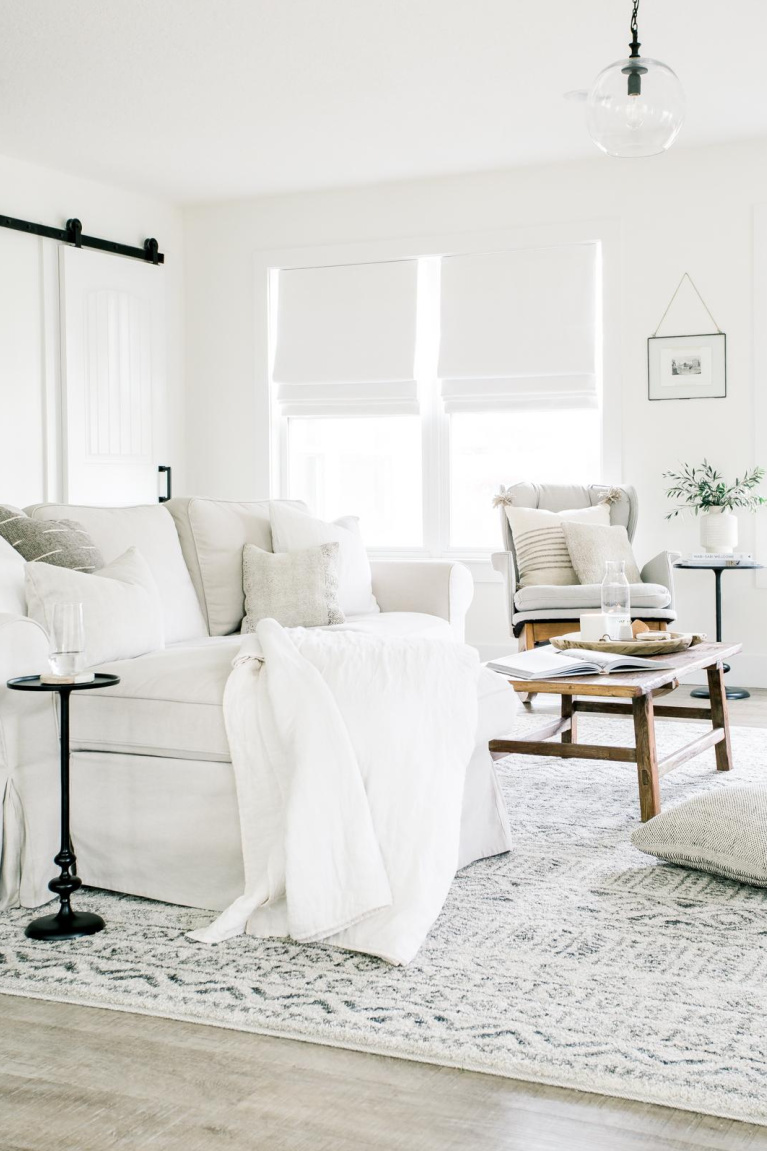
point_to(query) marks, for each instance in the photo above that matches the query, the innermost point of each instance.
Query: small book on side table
(548, 663)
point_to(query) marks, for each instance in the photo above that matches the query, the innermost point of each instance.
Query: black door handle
(166, 468)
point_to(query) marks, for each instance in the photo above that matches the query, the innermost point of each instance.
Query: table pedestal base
(730, 692)
(65, 924)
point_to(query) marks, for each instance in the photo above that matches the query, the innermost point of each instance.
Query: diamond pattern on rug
(575, 960)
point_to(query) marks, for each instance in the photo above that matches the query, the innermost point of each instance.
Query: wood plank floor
(83, 1079)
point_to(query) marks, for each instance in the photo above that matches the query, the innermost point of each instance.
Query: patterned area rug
(574, 961)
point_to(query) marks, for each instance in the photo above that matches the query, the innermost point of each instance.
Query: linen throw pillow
(294, 530)
(298, 589)
(723, 832)
(592, 545)
(540, 548)
(64, 543)
(122, 609)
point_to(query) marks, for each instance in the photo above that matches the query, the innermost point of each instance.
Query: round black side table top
(32, 683)
(66, 923)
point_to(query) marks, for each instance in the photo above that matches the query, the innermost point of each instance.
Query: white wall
(28, 315)
(690, 210)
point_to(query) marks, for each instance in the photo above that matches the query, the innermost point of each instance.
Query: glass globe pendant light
(636, 106)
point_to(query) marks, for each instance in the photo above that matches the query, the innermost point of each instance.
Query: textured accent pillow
(540, 548)
(295, 530)
(298, 589)
(64, 543)
(592, 545)
(723, 832)
(122, 609)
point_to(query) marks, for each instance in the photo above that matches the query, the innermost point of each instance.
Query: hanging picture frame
(690, 367)
(687, 367)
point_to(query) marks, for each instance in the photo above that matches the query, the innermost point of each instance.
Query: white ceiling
(205, 99)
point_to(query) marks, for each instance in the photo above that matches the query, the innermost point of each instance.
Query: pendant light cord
(634, 44)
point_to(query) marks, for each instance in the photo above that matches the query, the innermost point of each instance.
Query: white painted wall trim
(759, 328)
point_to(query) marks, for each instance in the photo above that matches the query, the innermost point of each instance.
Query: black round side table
(717, 568)
(66, 923)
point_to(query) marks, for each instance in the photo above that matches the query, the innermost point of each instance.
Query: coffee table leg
(647, 757)
(719, 716)
(570, 736)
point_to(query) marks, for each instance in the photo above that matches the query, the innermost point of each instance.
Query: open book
(548, 663)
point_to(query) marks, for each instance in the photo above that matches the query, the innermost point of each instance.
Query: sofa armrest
(436, 587)
(503, 562)
(660, 570)
(29, 756)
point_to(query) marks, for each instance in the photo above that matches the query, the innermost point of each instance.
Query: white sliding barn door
(113, 377)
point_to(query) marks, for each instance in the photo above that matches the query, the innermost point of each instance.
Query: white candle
(593, 626)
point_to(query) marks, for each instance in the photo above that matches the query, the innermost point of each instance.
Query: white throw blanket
(349, 754)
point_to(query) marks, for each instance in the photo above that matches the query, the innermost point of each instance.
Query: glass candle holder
(66, 655)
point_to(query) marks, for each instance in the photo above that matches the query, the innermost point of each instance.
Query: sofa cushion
(212, 535)
(294, 530)
(150, 529)
(169, 702)
(122, 610)
(587, 596)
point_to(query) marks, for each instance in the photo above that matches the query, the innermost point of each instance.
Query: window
(406, 390)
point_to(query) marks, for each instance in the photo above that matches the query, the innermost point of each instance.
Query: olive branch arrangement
(702, 487)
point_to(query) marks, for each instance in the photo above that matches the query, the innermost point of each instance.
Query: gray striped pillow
(540, 547)
(64, 543)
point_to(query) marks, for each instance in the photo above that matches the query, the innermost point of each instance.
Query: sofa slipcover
(169, 702)
(213, 534)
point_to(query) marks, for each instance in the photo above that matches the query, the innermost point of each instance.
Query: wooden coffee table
(642, 688)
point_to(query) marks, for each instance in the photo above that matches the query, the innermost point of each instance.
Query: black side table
(717, 568)
(66, 923)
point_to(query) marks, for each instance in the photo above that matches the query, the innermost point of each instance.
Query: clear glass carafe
(616, 597)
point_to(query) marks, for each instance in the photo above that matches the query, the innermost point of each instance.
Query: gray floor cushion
(723, 832)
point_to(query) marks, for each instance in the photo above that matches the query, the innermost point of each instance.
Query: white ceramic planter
(719, 531)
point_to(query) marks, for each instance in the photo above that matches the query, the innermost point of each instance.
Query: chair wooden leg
(526, 642)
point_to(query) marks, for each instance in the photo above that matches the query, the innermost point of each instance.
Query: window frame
(435, 422)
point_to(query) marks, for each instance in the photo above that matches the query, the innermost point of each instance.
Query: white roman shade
(345, 339)
(518, 328)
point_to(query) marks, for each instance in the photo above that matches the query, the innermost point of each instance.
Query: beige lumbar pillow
(539, 542)
(723, 832)
(592, 545)
(298, 588)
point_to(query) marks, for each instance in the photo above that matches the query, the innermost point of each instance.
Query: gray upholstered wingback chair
(537, 613)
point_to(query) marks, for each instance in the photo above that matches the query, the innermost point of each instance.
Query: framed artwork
(687, 367)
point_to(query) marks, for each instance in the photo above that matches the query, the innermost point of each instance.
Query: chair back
(562, 497)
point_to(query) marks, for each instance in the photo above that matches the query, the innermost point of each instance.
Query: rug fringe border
(466, 1065)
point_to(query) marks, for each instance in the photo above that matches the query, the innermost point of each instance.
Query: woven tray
(679, 642)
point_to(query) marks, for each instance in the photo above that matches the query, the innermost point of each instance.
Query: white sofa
(154, 810)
